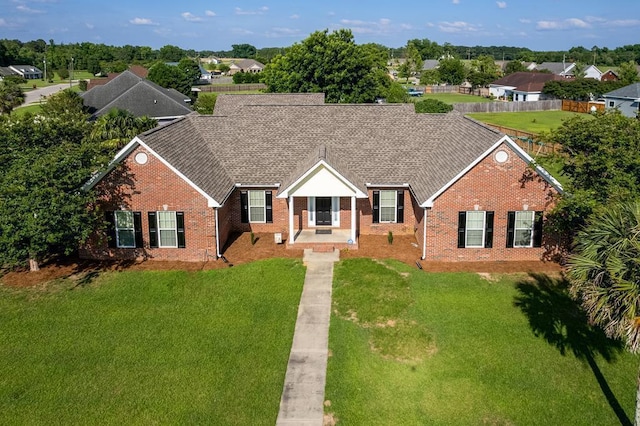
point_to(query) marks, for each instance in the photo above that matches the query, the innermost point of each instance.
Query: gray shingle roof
(555, 67)
(631, 91)
(377, 144)
(227, 104)
(136, 95)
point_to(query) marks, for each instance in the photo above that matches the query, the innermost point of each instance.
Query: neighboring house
(205, 75)
(626, 100)
(139, 96)
(562, 69)
(593, 72)
(522, 86)
(430, 64)
(138, 70)
(467, 192)
(27, 72)
(245, 65)
(610, 75)
(211, 60)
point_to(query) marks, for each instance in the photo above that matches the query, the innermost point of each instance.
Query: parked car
(412, 91)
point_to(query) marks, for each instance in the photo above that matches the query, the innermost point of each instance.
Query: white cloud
(283, 32)
(241, 31)
(260, 11)
(25, 9)
(142, 21)
(294, 16)
(188, 16)
(502, 4)
(209, 13)
(524, 21)
(455, 1)
(3, 23)
(624, 23)
(456, 27)
(562, 25)
(90, 26)
(381, 26)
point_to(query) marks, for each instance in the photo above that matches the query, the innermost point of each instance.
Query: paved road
(34, 96)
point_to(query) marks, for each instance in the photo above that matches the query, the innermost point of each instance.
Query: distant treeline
(100, 57)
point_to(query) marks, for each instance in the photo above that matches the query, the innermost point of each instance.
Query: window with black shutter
(376, 207)
(400, 207)
(180, 229)
(244, 206)
(153, 229)
(268, 201)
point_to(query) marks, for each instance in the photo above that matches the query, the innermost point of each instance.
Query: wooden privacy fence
(530, 142)
(482, 91)
(441, 89)
(470, 107)
(232, 87)
(581, 106)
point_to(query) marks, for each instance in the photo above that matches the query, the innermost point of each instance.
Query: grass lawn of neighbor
(150, 347)
(529, 121)
(465, 348)
(454, 98)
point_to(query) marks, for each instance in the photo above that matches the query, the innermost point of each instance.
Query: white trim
(126, 150)
(335, 212)
(519, 151)
(424, 235)
(483, 228)
(174, 229)
(264, 205)
(218, 254)
(285, 192)
(117, 229)
(395, 207)
(291, 205)
(353, 218)
(311, 211)
(530, 229)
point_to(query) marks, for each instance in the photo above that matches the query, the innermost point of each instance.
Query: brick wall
(490, 186)
(155, 187)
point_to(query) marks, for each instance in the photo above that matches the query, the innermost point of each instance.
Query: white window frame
(264, 206)
(160, 229)
(395, 206)
(467, 228)
(118, 228)
(530, 228)
(335, 211)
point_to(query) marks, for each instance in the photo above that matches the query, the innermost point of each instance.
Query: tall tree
(452, 71)
(46, 160)
(413, 58)
(243, 50)
(330, 63)
(605, 275)
(628, 72)
(11, 96)
(514, 66)
(171, 53)
(119, 126)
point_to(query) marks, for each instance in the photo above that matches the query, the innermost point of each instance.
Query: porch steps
(323, 247)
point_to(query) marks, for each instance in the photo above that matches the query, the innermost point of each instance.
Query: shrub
(432, 106)
(390, 237)
(246, 77)
(253, 238)
(205, 103)
(63, 73)
(82, 84)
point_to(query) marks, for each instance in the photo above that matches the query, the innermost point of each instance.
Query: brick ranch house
(296, 167)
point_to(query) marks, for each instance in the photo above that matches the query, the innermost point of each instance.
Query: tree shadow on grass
(556, 317)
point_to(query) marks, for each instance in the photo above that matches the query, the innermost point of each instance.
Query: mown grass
(514, 350)
(455, 98)
(530, 121)
(150, 347)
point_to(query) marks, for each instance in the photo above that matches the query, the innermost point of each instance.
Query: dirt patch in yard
(240, 250)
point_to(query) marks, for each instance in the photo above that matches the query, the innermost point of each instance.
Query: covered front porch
(324, 237)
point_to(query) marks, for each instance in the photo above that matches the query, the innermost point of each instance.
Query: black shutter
(268, 202)
(511, 223)
(153, 231)
(462, 228)
(137, 228)
(110, 218)
(376, 207)
(180, 226)
(244, 207)
(400, 209)
(537, 230)
(488, 230)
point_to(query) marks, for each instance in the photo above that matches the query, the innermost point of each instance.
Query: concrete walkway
(302, 401)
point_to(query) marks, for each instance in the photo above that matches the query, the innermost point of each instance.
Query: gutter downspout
(424, 235)
(218, 255)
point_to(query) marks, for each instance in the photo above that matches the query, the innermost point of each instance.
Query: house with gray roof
(245, 65)
(626, 100)
(562, 69)
(311, 174)
(139, 96)
(522, 86)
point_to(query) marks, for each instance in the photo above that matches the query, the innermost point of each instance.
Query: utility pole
(71, 74)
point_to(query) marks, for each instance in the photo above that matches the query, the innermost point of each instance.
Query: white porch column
(290, 219)
(353, 218)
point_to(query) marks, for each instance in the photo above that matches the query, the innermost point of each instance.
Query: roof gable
(526, 81)
(631, 91)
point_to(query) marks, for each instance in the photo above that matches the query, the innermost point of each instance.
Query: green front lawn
(150, 347)
(530, 121)
(457, 348)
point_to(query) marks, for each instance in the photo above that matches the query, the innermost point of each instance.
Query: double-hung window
(475, 229)
(124, 229)
(256, 206)
(524, 229)
(388, 206)
(166, 229)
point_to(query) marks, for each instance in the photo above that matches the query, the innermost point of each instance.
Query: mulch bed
(240, 250)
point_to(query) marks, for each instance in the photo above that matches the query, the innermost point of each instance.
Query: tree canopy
(330, 63)
(11, 96)
(181, 77)
(452, 71)
(46, 159)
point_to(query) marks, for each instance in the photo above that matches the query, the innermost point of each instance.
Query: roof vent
(322, 152)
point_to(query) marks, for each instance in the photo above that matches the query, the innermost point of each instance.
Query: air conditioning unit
(277, 237)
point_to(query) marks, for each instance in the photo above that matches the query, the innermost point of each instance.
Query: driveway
(34, 96)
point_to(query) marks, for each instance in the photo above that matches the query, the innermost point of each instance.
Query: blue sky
(216, 25)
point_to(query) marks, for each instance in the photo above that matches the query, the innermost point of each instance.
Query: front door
(323, 211)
